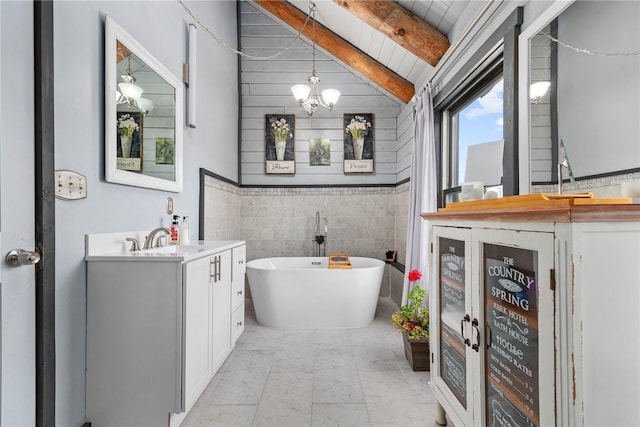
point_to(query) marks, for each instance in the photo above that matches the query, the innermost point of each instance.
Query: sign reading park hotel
(511, 360)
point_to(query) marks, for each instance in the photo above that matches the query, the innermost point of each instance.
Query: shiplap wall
(266, 89)
(541, 143)
(404, 143)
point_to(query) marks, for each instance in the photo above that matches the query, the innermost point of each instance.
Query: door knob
(20, 257)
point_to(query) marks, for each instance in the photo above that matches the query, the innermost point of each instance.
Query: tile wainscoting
(362, 221)
(605, 186)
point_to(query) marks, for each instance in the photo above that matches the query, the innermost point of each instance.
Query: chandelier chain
(589, 52)
(238, 52)
(312, 13)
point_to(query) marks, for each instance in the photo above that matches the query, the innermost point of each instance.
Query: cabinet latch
(552, 279)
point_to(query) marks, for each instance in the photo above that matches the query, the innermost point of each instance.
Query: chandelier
(308, 96)
(130, 93)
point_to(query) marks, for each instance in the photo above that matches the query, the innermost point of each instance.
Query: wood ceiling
(390, 43)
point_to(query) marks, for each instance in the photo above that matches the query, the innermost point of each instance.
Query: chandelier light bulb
(300, 92)
(330, 97)
(130, 91)
(145, 104)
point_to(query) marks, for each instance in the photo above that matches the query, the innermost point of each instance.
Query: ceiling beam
(341, 49)
(402, 26)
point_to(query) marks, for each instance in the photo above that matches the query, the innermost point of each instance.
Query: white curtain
(423, 189)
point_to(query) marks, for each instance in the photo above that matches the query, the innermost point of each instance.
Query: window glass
(478, 121)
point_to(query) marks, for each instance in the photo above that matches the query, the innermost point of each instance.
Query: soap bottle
(184, 231)
(175, 231)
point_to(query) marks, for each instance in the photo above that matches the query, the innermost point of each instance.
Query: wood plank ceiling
(393, 44)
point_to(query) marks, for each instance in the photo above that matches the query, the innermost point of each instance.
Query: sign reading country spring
(452, 309)
(511, 362)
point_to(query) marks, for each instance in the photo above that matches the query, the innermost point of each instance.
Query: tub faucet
(148, 241)
(320, 238)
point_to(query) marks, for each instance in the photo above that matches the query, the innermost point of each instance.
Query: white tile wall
(608, 186)
(362, 221)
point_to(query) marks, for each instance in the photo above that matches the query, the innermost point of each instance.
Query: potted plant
(412, 320)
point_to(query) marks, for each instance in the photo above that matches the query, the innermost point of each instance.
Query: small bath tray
(339, 260)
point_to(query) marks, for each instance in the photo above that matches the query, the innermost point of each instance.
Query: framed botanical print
(358, 143)
(129, 143)
(165, 151)
(320, 152)
(280, 144)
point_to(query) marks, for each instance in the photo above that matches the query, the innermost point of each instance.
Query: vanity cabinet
(534, 316)
(238, 258)
(159, 326)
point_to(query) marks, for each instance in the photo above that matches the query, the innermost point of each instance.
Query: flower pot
(358, 145)
(417, 352)
(280, 147)
(125, 143)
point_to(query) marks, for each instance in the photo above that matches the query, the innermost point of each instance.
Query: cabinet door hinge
(431, 246)
(552, 279)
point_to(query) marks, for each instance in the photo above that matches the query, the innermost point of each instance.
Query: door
(516, 322)
(451, 331)
(17, 292)
(197, 329)
(221, 315)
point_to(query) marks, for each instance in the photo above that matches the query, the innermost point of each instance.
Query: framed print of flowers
(280, 143)
(129, 148)
(358, 143)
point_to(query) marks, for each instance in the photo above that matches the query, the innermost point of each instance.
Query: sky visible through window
(481, 121)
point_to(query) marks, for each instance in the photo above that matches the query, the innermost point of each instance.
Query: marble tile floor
(347, 377)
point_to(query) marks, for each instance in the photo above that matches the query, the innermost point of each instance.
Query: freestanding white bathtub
(303, 293)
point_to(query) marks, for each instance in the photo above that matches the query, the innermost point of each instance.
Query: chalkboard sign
(511, 362)
(453, 365)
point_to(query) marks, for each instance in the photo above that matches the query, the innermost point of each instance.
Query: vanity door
(516, 320)
(451, 311)
(198, 293)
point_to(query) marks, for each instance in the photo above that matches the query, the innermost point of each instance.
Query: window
(476, 110)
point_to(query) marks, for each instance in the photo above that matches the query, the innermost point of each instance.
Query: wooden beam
(401, 26)
(342, 49)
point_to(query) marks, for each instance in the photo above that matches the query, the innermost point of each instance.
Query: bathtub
(303, 293)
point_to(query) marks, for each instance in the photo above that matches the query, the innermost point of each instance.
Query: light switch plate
(70, 185)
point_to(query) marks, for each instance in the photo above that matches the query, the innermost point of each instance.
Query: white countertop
(175, 253)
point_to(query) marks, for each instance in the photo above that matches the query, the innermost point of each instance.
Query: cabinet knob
(239, 324)
(239, 292)
(241, 261)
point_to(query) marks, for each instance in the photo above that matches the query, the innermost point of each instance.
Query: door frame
(44, 194)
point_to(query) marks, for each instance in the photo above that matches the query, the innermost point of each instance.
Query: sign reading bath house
(358, 143)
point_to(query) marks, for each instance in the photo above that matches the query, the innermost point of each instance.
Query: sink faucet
(148, 241)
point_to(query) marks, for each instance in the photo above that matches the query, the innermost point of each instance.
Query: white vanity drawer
(237, 324)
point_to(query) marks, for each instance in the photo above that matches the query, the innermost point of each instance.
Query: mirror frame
(524, 104)
(114, 32)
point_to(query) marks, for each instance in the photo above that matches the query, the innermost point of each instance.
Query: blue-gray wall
(160, 26)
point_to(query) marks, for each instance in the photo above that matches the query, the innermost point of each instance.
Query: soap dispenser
(175, 231)
(184, 231)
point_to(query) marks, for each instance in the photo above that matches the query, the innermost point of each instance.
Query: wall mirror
(143, 115)
(593, 101)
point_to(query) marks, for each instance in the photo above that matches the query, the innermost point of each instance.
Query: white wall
(160, 26)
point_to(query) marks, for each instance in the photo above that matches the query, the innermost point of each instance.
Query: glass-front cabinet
(492, 325)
